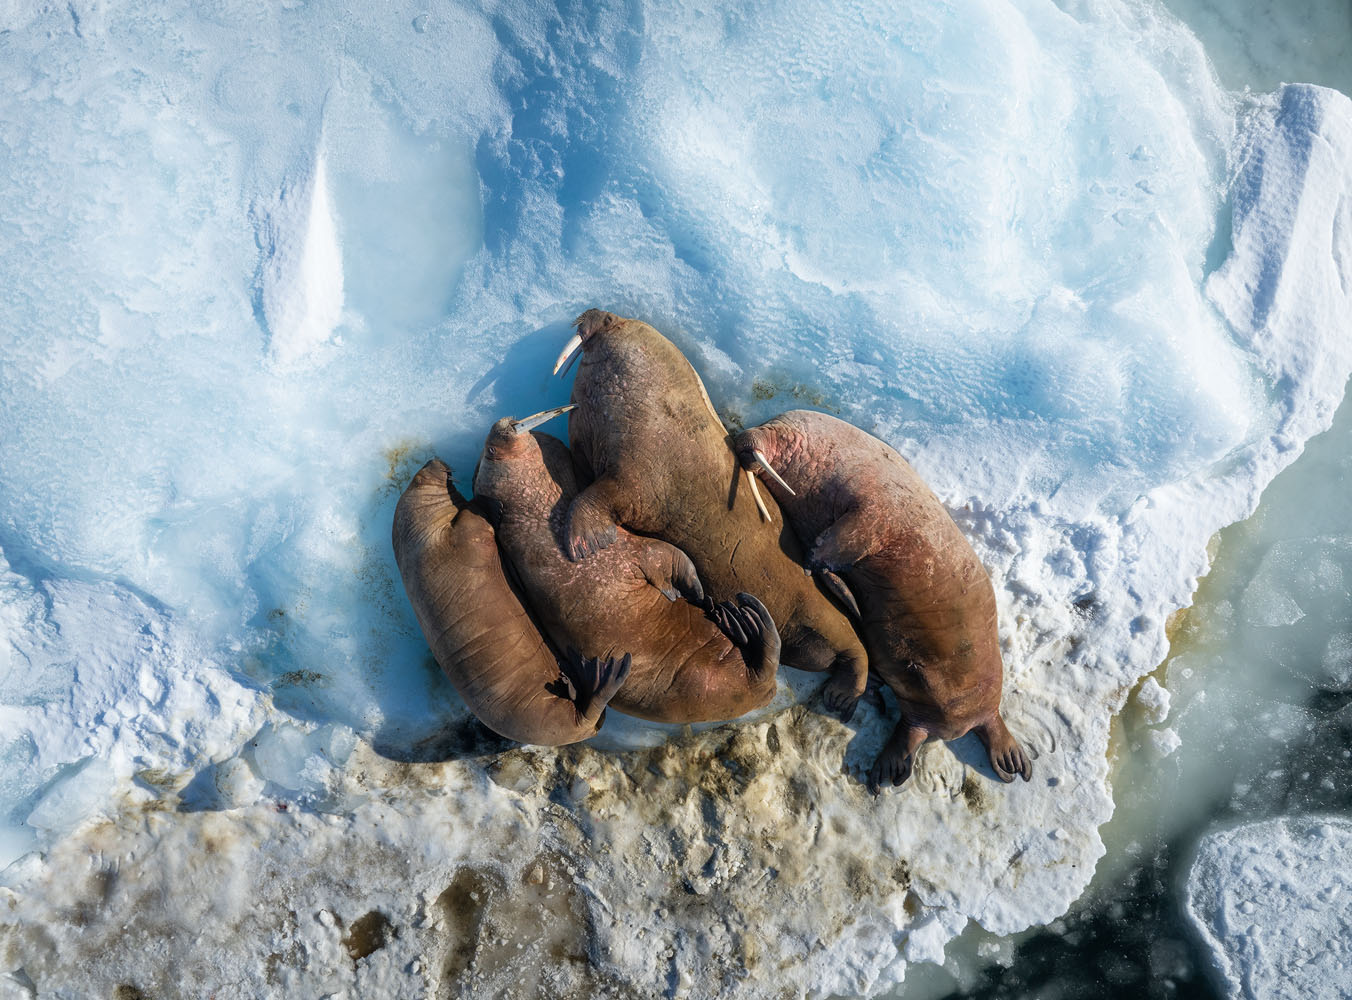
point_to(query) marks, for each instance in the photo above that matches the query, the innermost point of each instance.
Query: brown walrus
(925, 601)
(662, 464)
(477, 628)
(685, 669)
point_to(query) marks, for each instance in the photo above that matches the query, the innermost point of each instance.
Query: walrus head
(591, 322)
(756, 448)
(509, 441)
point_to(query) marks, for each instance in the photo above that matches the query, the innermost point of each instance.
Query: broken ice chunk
(1153, 700)
(73, 797)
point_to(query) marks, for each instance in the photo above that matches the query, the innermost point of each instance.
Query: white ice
(1271, 899)
(269, 259)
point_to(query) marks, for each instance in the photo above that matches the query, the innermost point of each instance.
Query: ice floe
(995, 235)
(1270, 901)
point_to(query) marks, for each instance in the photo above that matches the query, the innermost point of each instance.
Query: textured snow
(270, 259)
(1270, 901)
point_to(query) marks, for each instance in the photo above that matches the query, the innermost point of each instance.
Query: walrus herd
(646, 570)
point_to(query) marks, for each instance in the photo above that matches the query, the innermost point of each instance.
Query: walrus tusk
(755, 492)
(536, 419)
(765, 464)
(569, 353)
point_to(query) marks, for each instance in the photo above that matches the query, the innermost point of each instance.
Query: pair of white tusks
(755, 490)
(536, 419)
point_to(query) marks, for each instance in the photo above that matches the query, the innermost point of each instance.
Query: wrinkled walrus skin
(926, 603)
(662, 465)
(477, 627)
(684, 668)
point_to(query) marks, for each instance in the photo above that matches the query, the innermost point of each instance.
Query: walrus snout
(753, 462)
(433, 469)
(594, 321)
(506, 434)
(751, 457)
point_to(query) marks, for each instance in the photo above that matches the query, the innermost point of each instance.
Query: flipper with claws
(1007, 757)
(592, 681)
(670, 570)
(897, 760)
(749, 625)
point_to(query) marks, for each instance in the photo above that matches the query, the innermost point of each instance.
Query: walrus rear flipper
(897, 760)
(1007, 757)
(593, 681)
(749, 625)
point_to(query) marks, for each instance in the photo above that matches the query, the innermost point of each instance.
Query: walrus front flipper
(751, 628)
(895, 763)
(592, 681)
(1007, 757)
(851, 537)
(837, 588)
(591, 523)
(670, 570)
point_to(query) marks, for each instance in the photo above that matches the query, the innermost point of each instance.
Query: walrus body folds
(661, 464)
(685, 667)
(926, 604)
(478, 630)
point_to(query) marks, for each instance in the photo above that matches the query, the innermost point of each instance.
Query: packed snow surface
(266, 259)
(1270, 900)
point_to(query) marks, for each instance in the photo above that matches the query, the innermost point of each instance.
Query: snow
(302, 280)
(1270, 901)
(270, 260)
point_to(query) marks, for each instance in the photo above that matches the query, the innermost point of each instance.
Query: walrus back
(684, 669)
(477, 628)
(645, 418)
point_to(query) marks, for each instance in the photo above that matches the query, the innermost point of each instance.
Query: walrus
(926, 604)
(662, 464)
(478, 629)
(686, 667)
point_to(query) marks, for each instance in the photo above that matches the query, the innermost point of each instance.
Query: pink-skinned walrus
(478, 629)
(926, 604)
(661, 464)
(692, 660)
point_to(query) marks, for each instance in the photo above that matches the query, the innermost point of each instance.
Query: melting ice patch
(988, 235)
